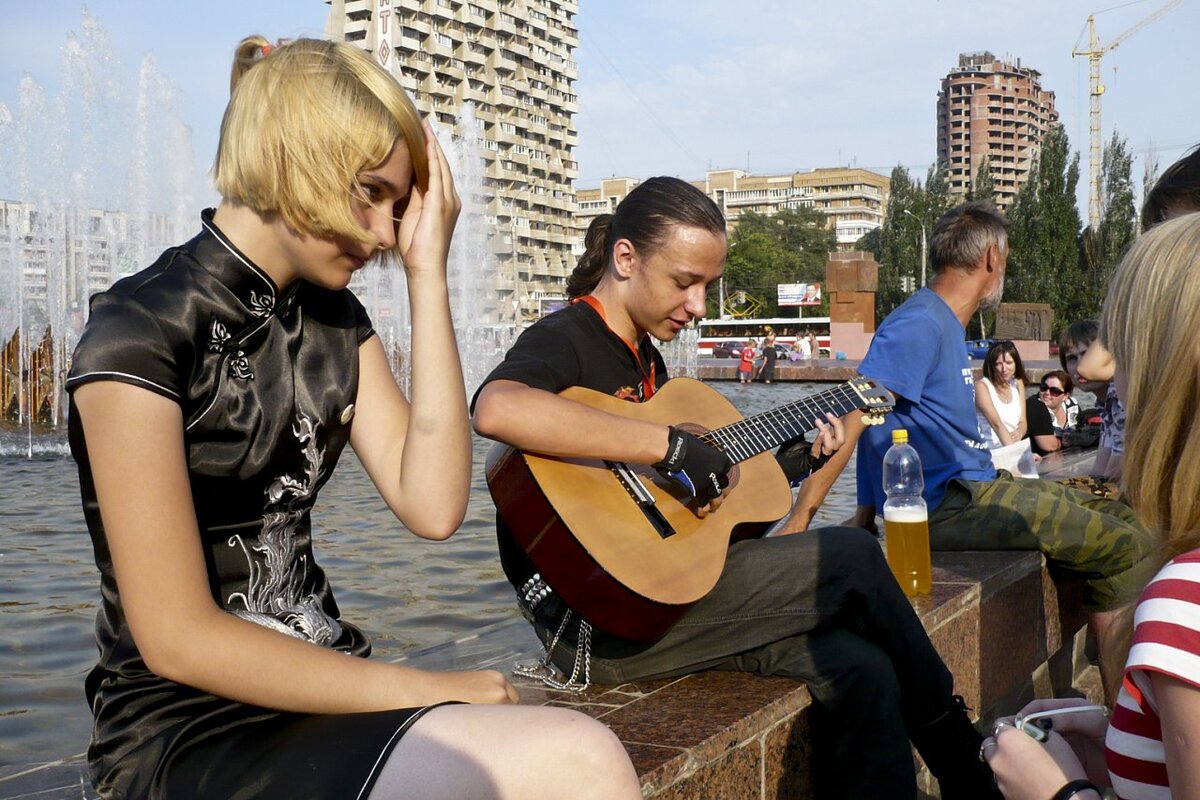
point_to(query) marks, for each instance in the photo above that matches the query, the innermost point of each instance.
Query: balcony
(417, 23)
(358, 9)
(502, 61)
(356, 29)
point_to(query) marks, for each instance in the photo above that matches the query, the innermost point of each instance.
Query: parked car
(727, 350)
(978, 348)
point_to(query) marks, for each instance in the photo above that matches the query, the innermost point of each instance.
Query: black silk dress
(266, 381)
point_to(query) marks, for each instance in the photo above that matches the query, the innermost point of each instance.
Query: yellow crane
(1094, 52)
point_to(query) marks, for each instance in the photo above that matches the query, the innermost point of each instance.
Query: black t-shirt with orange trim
(575, 347)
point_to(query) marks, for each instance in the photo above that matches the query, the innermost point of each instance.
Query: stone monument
(851, 279)
(1029, 326)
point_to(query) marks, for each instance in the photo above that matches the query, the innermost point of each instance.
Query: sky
(678, 87)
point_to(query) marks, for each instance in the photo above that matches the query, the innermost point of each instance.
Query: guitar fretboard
(753, 435)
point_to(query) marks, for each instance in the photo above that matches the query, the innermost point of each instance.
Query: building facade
(993, 108)
(854, 200)
(513, 61)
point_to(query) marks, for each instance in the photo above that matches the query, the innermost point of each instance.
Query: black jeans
(823, 608)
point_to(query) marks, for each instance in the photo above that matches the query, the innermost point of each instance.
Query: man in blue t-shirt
(919, 354)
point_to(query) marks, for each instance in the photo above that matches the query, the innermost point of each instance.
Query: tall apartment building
(64, 255)
(989, 107)
(514, 61)
(853, 199)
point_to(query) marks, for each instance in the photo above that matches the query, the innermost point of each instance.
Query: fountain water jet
(74, 159)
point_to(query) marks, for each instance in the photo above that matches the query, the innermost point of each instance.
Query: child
(746, 365)
(1073, 346)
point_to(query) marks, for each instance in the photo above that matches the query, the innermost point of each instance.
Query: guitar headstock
(873, 399)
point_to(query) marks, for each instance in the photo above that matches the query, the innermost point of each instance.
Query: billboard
(799, 294)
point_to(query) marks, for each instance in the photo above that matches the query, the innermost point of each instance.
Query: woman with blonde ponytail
(212, 395)
(1151, 748)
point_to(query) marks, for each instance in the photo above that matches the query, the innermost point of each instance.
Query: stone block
(851, 272)
(1024, 321)
(853, 307)
(851, 338)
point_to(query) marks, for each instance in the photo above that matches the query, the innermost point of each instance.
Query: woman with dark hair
(1000, 396)
(1051, 413)
(821, 607)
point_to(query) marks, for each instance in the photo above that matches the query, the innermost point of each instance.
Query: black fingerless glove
(699, 467)
(797, 461)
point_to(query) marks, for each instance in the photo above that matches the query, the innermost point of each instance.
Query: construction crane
(1094, 52)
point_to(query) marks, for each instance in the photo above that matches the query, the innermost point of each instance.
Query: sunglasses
(1054, 391)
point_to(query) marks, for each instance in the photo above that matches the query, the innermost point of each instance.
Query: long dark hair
(993, 355)
(644, 217)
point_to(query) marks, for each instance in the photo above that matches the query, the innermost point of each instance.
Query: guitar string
(766, 429)
(787, 420)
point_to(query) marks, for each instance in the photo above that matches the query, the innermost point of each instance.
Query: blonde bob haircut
(304, 119)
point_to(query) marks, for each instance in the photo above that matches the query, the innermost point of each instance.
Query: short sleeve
(364, 329)
(1037, 417)
(542, 358)
(1112, 426)
(1166, 633)
(125, 341)
(902, 355)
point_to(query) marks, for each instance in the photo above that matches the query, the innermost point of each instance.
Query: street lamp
(920, 222)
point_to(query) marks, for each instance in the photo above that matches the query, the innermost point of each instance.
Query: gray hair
(964, 233)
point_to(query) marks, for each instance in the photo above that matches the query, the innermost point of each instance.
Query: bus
(718, 335)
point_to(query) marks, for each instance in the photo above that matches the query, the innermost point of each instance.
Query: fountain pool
(404, 592)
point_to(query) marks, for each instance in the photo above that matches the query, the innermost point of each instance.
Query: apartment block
(64, 255)
(994, 108)
(513, 60)
(853, 200)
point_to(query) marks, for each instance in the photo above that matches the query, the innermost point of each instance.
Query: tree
(899, 243)
(1043, 261)
(1103, 248)
(937, 199)
(791, 246)
(983, 187)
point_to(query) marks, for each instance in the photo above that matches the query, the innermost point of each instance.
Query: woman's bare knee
(508, 751)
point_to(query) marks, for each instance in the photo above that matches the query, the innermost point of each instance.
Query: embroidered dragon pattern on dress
(275, 595)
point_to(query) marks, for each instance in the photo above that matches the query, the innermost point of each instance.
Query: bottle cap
(900, 436)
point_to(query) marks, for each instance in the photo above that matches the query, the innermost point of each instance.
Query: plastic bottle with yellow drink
(905, 517)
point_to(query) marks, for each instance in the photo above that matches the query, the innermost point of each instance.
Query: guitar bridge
(642, 496)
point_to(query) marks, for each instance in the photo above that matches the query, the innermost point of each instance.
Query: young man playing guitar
(821, 607)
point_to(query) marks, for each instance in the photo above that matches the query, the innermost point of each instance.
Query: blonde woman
(212, 395)
(1150, 748)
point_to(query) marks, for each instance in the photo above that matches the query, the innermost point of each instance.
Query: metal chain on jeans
(545, 671)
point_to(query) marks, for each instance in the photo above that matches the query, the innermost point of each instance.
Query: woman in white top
(1000, 396)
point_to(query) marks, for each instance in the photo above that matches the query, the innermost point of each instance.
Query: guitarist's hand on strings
(697, 466)
(830, 439)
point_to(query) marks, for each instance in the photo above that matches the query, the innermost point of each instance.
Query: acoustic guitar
(619, 542)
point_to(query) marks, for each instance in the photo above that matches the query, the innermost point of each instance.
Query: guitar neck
(757, 434)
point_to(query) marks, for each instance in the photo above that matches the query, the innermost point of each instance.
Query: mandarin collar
(247, 281)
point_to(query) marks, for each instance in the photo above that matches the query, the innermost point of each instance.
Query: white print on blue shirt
(978, 444)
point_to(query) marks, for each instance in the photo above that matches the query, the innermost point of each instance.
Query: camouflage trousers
(1094, 537)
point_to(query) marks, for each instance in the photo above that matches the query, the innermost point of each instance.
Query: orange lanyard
(647, 379)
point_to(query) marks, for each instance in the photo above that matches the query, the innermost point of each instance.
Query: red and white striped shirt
(1166, 640)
